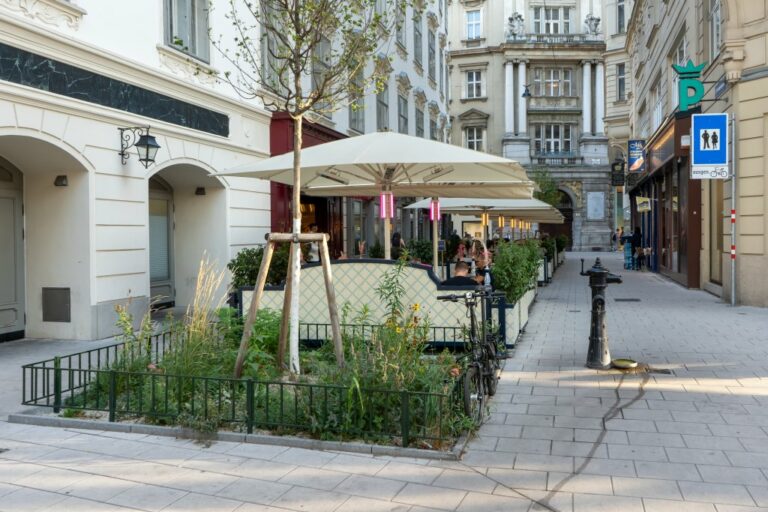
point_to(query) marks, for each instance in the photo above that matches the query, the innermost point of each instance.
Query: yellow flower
(398, 330)
(416, 307)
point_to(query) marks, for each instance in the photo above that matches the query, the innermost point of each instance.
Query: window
(621, 83)
(382, 109)
(551, 20)
(419, 122)
(552, 138)
(474, 84)
(620, 24)
(187, 26)
(657, 94)
(431, 54)
(417, 42)
(440, 73)
(400, 25)
(473, 136)
(553, 82)
(357, 105)
(319, 70)
(715, 36)
(402, 114)
(679, 57)
(433, 129)
(474, 25)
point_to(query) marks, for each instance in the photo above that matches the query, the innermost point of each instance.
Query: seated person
(460, 276)
(483, 274)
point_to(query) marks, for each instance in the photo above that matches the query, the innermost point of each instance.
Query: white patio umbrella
(531, 210)
(396, 164)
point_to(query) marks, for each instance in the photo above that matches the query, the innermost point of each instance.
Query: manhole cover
(627, 300)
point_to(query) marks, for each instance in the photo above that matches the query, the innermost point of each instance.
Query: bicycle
(480, 377)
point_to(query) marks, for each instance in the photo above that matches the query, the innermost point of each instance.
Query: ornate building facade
(528, 83)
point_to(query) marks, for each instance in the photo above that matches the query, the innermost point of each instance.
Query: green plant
(547, 187)
(562, 241)
(376, 250)
(515, 267)
(550, 247)
(245, 266)
(420, 250)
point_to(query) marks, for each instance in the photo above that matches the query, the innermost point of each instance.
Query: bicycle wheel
(474, 394)
(490, 365)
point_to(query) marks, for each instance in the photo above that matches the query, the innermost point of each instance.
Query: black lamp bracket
(128, 137)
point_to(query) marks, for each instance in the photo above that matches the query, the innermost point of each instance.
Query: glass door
(161, 243)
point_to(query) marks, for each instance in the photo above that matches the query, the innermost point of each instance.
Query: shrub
(515, 267)
(420, 250)
(245, 266)
(550, 247)
(376, 250)
(561, 242)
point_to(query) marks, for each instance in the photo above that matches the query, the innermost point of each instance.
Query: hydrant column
(598, 354)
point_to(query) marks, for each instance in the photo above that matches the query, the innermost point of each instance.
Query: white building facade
(81, 229)
(528, 83)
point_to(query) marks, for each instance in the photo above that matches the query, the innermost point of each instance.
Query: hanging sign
(709, 146)
(636, 159)
(690, 90)
(643, 204)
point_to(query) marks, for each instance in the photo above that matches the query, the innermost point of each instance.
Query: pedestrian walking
(637, 248)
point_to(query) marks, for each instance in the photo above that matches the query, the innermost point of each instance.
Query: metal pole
(733, 208)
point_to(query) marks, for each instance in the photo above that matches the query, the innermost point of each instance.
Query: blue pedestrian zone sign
(709, 146)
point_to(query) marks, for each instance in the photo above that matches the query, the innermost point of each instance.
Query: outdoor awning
(531, 210)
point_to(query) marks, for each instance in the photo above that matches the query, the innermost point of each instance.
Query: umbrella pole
(387, 239)
(435, 222)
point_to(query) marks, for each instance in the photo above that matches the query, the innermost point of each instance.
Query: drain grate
(664, 371)
(627, 300)
(574, 311)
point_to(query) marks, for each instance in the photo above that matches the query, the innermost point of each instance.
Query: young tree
(548, 191)
(302, 57)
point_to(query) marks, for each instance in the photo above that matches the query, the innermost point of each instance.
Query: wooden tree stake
(330, 293)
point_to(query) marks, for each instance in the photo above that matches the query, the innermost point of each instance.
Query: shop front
(325, 212)
(666, 204)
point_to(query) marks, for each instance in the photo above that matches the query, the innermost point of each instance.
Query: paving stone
(465, 481)
(759, 494)
(750, 431)
(427, 496)
(579, 449)
(518, 478)
(641, 487)
(655, 505)
(409, 472)
(594, 503)
(507, 444)
(580, 483)
(716, 443)
(547, 500)
(524, 419)
(497, 459)
(630, 452)
(148, 497)
(304, 457)
(674, 427)
(604, 436)
(655, 439)
(544, 463)
(314, 500)
(748, 460)
(576, 422)
(478, 502)
(358, 504)
(370, 487)
(667, 470)
(697, 456)
(731, 475)
(505, 430)
(716, 493)
(314, 478)
(202, 503)
(631, 425)
(262, 469)
(551, 433)
(26, 499)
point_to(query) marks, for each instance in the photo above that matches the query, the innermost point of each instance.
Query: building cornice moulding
(184, 66)
(26, 36)
(57, 13)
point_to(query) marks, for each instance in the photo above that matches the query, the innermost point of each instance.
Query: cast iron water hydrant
(598, 355)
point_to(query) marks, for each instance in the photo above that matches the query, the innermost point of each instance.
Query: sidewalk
(561, 437)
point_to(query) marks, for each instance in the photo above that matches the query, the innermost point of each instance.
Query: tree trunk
(296, 248)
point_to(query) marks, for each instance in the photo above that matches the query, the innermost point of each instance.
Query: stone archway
(45, 212)
(187, 220)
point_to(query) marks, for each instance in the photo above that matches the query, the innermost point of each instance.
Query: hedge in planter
(515, 267)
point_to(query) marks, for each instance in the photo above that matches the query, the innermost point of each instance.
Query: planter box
(551, 268)
(561, 257)
(541, 277)
(512, 318)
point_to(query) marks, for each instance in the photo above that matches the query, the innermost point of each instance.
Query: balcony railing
(554, 39)
(557, 158)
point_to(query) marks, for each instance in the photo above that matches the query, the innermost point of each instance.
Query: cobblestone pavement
(561, 437)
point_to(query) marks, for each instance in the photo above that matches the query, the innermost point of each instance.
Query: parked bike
(481, 372)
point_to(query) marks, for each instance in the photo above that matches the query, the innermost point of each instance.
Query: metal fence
(96, 380)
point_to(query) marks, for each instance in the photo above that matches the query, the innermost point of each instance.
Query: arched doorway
(187, 220)
(45, 240)
(12, 307)
(565, 205)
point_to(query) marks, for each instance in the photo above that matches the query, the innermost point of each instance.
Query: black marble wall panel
(26, 68)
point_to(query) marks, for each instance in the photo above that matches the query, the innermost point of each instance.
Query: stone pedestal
(517, 147)
(594, 149)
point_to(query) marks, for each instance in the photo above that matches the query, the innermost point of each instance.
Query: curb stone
(289, 441)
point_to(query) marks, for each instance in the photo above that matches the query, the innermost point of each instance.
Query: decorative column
(599, 98)
(509, 97)
(586, 99)
(522, 105)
